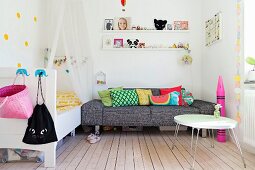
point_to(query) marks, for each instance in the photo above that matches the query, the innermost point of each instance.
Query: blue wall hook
(22, 72)
(40, 72)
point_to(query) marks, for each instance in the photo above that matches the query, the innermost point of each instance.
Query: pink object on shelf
(15, 102)
(221, 134)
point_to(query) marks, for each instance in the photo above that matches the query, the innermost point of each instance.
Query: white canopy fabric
(67, 19)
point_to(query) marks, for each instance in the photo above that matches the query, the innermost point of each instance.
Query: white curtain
(75, 37)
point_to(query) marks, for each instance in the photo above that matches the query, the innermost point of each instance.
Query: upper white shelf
(144, 49)
(145, 31)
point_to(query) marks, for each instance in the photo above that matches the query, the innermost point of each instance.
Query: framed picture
(108, 24)
(169, 27)
(107, 42)
(213, 29)
(118, 43)
(181, 25)
(122, 23)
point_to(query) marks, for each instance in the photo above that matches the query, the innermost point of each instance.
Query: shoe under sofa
(94, 113)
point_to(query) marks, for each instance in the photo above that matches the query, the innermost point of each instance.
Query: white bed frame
(12, 130)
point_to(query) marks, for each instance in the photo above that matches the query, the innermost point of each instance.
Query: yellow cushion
(67, 99)
(143, 96)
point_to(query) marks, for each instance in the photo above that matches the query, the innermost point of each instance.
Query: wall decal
(35, 19)
(26, 44)
(18, 15)
(238, 77)
(213, 29)
(6, 37)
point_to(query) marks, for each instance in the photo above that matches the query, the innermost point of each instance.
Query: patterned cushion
(187, 98)
(171, 99)
(163, 100)
(105, 96)
(169, 90)
(143, 96)
(124, 98)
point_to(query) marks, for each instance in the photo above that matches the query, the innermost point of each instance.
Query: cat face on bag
(40, 135)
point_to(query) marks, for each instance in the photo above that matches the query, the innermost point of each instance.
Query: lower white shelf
(143, 49)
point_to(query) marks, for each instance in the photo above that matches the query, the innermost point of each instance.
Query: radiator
(249, 117)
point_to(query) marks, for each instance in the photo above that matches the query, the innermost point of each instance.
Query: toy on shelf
(174, 46)
(133, 43)
(217, 110)
(160, 24)
(221, 134)
(101, 78)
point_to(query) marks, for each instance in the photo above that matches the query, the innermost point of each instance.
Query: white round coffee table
(200, 121)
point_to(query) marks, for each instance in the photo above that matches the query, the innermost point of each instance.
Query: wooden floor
(141, 150)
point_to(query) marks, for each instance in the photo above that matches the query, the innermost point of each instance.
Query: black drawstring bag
(40, 129)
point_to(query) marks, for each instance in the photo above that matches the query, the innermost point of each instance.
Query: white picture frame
(107, 42)
(120, 20)
(108, 24)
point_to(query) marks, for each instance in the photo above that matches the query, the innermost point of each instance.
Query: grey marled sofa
(95, 113)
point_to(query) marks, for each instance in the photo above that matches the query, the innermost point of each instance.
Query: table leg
(192, 137)
(194, 154)
(175, 134)
(211, 137)
(235, 139)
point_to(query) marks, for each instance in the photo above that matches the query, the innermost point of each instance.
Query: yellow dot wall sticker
(6, 37)
(18, 15)
(26, 44)
(238, 77)
(35, 19)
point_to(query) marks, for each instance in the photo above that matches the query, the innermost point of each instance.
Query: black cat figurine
(160, 24)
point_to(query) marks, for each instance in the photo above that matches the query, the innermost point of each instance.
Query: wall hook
(22, 71)
(41, 73)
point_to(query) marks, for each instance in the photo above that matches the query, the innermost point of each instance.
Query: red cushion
(169, 90)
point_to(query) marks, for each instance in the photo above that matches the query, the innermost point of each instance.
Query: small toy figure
(180, 45)
(186, 46)
(160, 24)
(217, 110)
(174, 46)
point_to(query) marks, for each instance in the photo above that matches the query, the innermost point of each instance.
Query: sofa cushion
(124, 98)
(143, 96)
(105, 96)
(91, 112)
(155, 91)
(204, 107)
(162, 100)
(164, 115)
(169, 90)
(127, 116)
(187, 98)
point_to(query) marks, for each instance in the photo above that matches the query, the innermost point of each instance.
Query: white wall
(147, 68)
(220, 58)
(20, 30)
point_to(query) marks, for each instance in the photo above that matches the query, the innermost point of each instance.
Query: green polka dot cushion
(124, 98)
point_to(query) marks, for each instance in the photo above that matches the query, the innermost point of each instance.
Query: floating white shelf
(144, 31)
(143, 49)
